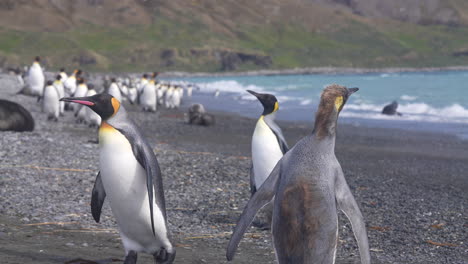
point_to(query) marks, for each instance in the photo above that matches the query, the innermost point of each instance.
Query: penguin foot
(164, 257)
(131, 257)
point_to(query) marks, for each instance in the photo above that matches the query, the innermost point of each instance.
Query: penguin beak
(259, 96)
(352, 90)
(78, 100)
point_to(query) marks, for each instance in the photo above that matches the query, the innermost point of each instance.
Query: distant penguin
(132, 94)
(61, 90)
(189, 90)
(50, 103)
(148, 98)
(114, 90)
(63, 74)
(92, 119)
(14, 117)
(176, 97)
(81, 90)
(70, 83)
(162, 94)
(308, 186)
(168, 97)
(142, 83)
(159, 93)
(130, 176)
(35, 79)
(391, 109)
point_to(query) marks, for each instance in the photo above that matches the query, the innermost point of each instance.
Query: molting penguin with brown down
(308, 186)
(131, 179)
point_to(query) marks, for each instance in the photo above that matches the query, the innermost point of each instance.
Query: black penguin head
(78, 72)
(37, 59)
(80, 80)
(62, 69)
(155, 74)
(104, 104)
(113, 80)
(145, 76)
(90, 86)
(58, 77)
(49, 82)
(269, 102)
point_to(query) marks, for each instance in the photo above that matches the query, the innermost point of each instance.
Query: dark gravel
(411, 187)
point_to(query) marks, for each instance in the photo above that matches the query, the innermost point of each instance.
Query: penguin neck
(269, 117)
(325, 124)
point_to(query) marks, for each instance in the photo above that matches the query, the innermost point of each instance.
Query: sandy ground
(411, 188)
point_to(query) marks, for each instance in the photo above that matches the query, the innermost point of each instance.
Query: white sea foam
(408, 97)
(411, 111)
(228, 86)
(306, 102)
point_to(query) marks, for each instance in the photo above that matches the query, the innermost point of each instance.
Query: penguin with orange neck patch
(308, 186)
(131, 179)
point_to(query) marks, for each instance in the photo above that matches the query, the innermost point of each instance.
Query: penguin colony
(304, 186)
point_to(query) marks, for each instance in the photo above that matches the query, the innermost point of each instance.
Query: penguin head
(37, 59)
(155, 74)
(49, 82)
(58, 77)
(113, 80)
(80, 81)
(77, 72)
(334, 97)
(62, 69)
(332, 100)
(145, 76)
(269, 102)
(104, 104)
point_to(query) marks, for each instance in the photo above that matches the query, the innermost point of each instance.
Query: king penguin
(268, 146)
(114, 90)
(148, 97)
(308, 186)
(93, 119)
(35, 78)
(131, 179)
(51, 104)
(61, 90)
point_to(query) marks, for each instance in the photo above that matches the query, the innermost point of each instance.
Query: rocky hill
(212, 35)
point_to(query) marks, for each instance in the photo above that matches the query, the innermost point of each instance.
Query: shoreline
(312, 71)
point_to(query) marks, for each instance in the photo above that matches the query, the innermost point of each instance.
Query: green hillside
(237, 37)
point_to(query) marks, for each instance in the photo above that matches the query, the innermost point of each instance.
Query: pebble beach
(411, 188)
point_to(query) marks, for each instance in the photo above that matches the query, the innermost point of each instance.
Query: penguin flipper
(97, 198)
(262, 196)
(279, 135)
(282, 143)
(253, 188)
(346, 203)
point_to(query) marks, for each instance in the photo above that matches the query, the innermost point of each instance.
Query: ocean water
(429, 101)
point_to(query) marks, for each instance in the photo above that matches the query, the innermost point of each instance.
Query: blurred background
(211, 36)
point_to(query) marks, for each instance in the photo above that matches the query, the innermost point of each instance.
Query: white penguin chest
(124, 181)
(265, 151)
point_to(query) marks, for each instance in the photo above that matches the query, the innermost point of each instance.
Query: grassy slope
(357, 42)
